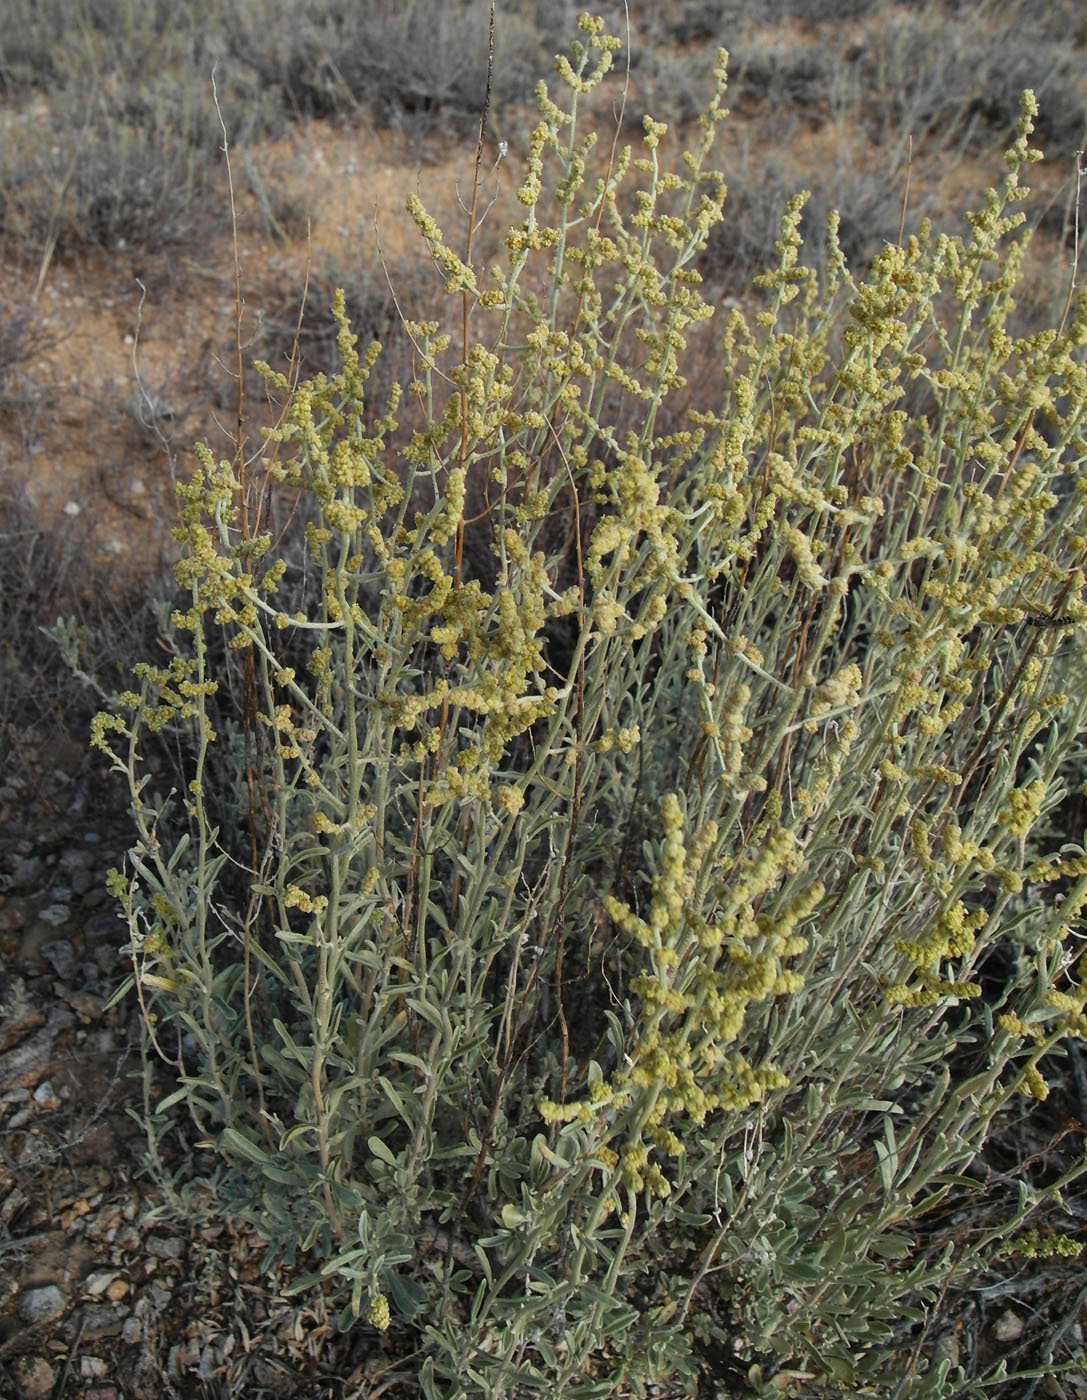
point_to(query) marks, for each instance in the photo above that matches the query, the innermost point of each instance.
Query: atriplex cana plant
(660, 885)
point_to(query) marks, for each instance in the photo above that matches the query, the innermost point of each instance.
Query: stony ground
(105, 1292)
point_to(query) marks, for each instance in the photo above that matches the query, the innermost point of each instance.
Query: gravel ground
(105, 1292)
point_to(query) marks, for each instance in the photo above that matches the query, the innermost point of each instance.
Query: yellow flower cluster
(700, 978)
(377, 1312)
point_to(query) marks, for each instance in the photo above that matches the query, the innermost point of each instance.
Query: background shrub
(615, 877)
(111, 134)
(44, 573)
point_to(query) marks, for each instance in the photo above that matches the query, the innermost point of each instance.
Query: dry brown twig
(1081, 171)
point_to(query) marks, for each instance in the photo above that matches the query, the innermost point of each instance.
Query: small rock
(28, 1062)
(132, 1331)
(86, 1004)
(102, 1320)
(109, 1217)
(946, 1348)
(82, 880)
(39, 1305)
(60, 955)
(19, 1012)
(26, 871)
(1008, 1326)
(105, 926)
(55, 914)
(165, 1248)
(79, 1208)
(45, 1096)
(92, 1368)
(117, 1290)
(35, 1377)
(97, 1283)
(72, 859)
(60, 1019)
(107, 960)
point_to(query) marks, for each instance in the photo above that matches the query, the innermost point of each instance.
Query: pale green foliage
(609, 997)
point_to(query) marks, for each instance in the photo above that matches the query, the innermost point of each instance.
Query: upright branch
(466, 295)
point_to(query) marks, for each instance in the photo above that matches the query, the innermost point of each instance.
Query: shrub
(414, 63)
(44, 573)
(614, 879)
(111, 134)
(96, 171)
(952, 78)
